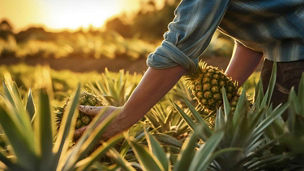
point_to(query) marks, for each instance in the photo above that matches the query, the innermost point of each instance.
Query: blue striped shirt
(273, 27)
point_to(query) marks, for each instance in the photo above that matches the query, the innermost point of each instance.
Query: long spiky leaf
(66, 130)
(45, 128)
(156, 149)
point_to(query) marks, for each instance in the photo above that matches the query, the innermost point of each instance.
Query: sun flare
(63, 14)
(72, 14)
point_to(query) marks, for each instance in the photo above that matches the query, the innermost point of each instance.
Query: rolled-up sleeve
(189, 34)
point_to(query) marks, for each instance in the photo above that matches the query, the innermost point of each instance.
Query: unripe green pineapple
(82, 119)
(206, 84)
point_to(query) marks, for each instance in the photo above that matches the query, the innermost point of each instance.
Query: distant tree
(117, 24)
(5, 25)
(6, 29)
(151, 25)
(148, 23)
(36, 33)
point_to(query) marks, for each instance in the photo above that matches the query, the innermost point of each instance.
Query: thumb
(90, 110)
(79, 132)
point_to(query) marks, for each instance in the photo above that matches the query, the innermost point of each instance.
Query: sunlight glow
(72, 14)
(63, 14)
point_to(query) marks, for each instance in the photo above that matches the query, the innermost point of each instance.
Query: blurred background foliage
(128, 35)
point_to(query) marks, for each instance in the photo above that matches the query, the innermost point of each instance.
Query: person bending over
(270, 30)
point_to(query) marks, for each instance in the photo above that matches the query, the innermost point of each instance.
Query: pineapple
(206, 83)
(83, 119)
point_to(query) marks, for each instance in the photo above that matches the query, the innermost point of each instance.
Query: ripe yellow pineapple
(82, 119)
(206, 84)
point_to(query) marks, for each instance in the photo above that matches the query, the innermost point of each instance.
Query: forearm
(243, 62)
(153, 86)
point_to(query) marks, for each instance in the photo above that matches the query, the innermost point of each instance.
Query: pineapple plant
(32, 143)
(206, 84)
(83, 119)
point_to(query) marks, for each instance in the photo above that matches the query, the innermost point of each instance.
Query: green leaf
(258, 94)
(88, 161)
(301, 93)
(184, 115)
(45, 129)
(157, 150)
(219, 120)
(204, 156)
(227, 107)
(278, 111)
(167, 139)
(125, 165)
(271, 85)
(239, 108)
(18, 112)
(187, 153)
(30, 106)
(88, 140)
(9, 164)
(93, 133)
(276, 129)
(65, 133)
(226, 150)
(293, 100)
(198, 117)
(146, 159)
(266, 161)
(25, 152)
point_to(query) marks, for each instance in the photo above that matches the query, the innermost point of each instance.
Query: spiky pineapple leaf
(19, 114)
(227, 107)
(184, 115)
(277, 112)
(241, 106)
(301, 93)
(204, 155)
(146, 159)
(187, 153)
(66, 131)
(85, 163)
(25, 152)
(30, 106)
(89, 138)
(268, 95)
(219, 120)
(157, 150)
(125, 165)
(44, 128)
(9, 164)
(197, 116)
(167, 139)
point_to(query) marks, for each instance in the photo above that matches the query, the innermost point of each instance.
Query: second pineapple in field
(206, 84)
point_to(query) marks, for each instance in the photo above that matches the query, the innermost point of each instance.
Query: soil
(80, 64)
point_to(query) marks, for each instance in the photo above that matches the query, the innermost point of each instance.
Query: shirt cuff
(168, 55)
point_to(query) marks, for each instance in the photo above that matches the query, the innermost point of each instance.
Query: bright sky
(62, 14)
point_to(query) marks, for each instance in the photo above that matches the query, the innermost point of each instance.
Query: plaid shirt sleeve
(189, 34)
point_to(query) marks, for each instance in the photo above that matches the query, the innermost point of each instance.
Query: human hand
(93, 111)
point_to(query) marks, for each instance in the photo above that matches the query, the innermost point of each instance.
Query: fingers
(90, 110)
(80, 131)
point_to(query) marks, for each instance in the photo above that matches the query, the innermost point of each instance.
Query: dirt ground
(78, 64)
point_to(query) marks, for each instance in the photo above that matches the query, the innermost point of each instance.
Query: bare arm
(157, 82)
(243, 63)
(153, 86)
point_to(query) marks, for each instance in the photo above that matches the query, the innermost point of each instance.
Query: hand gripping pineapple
(83, 119)
(157, 82)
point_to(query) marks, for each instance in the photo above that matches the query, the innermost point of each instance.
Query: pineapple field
(206, 122)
